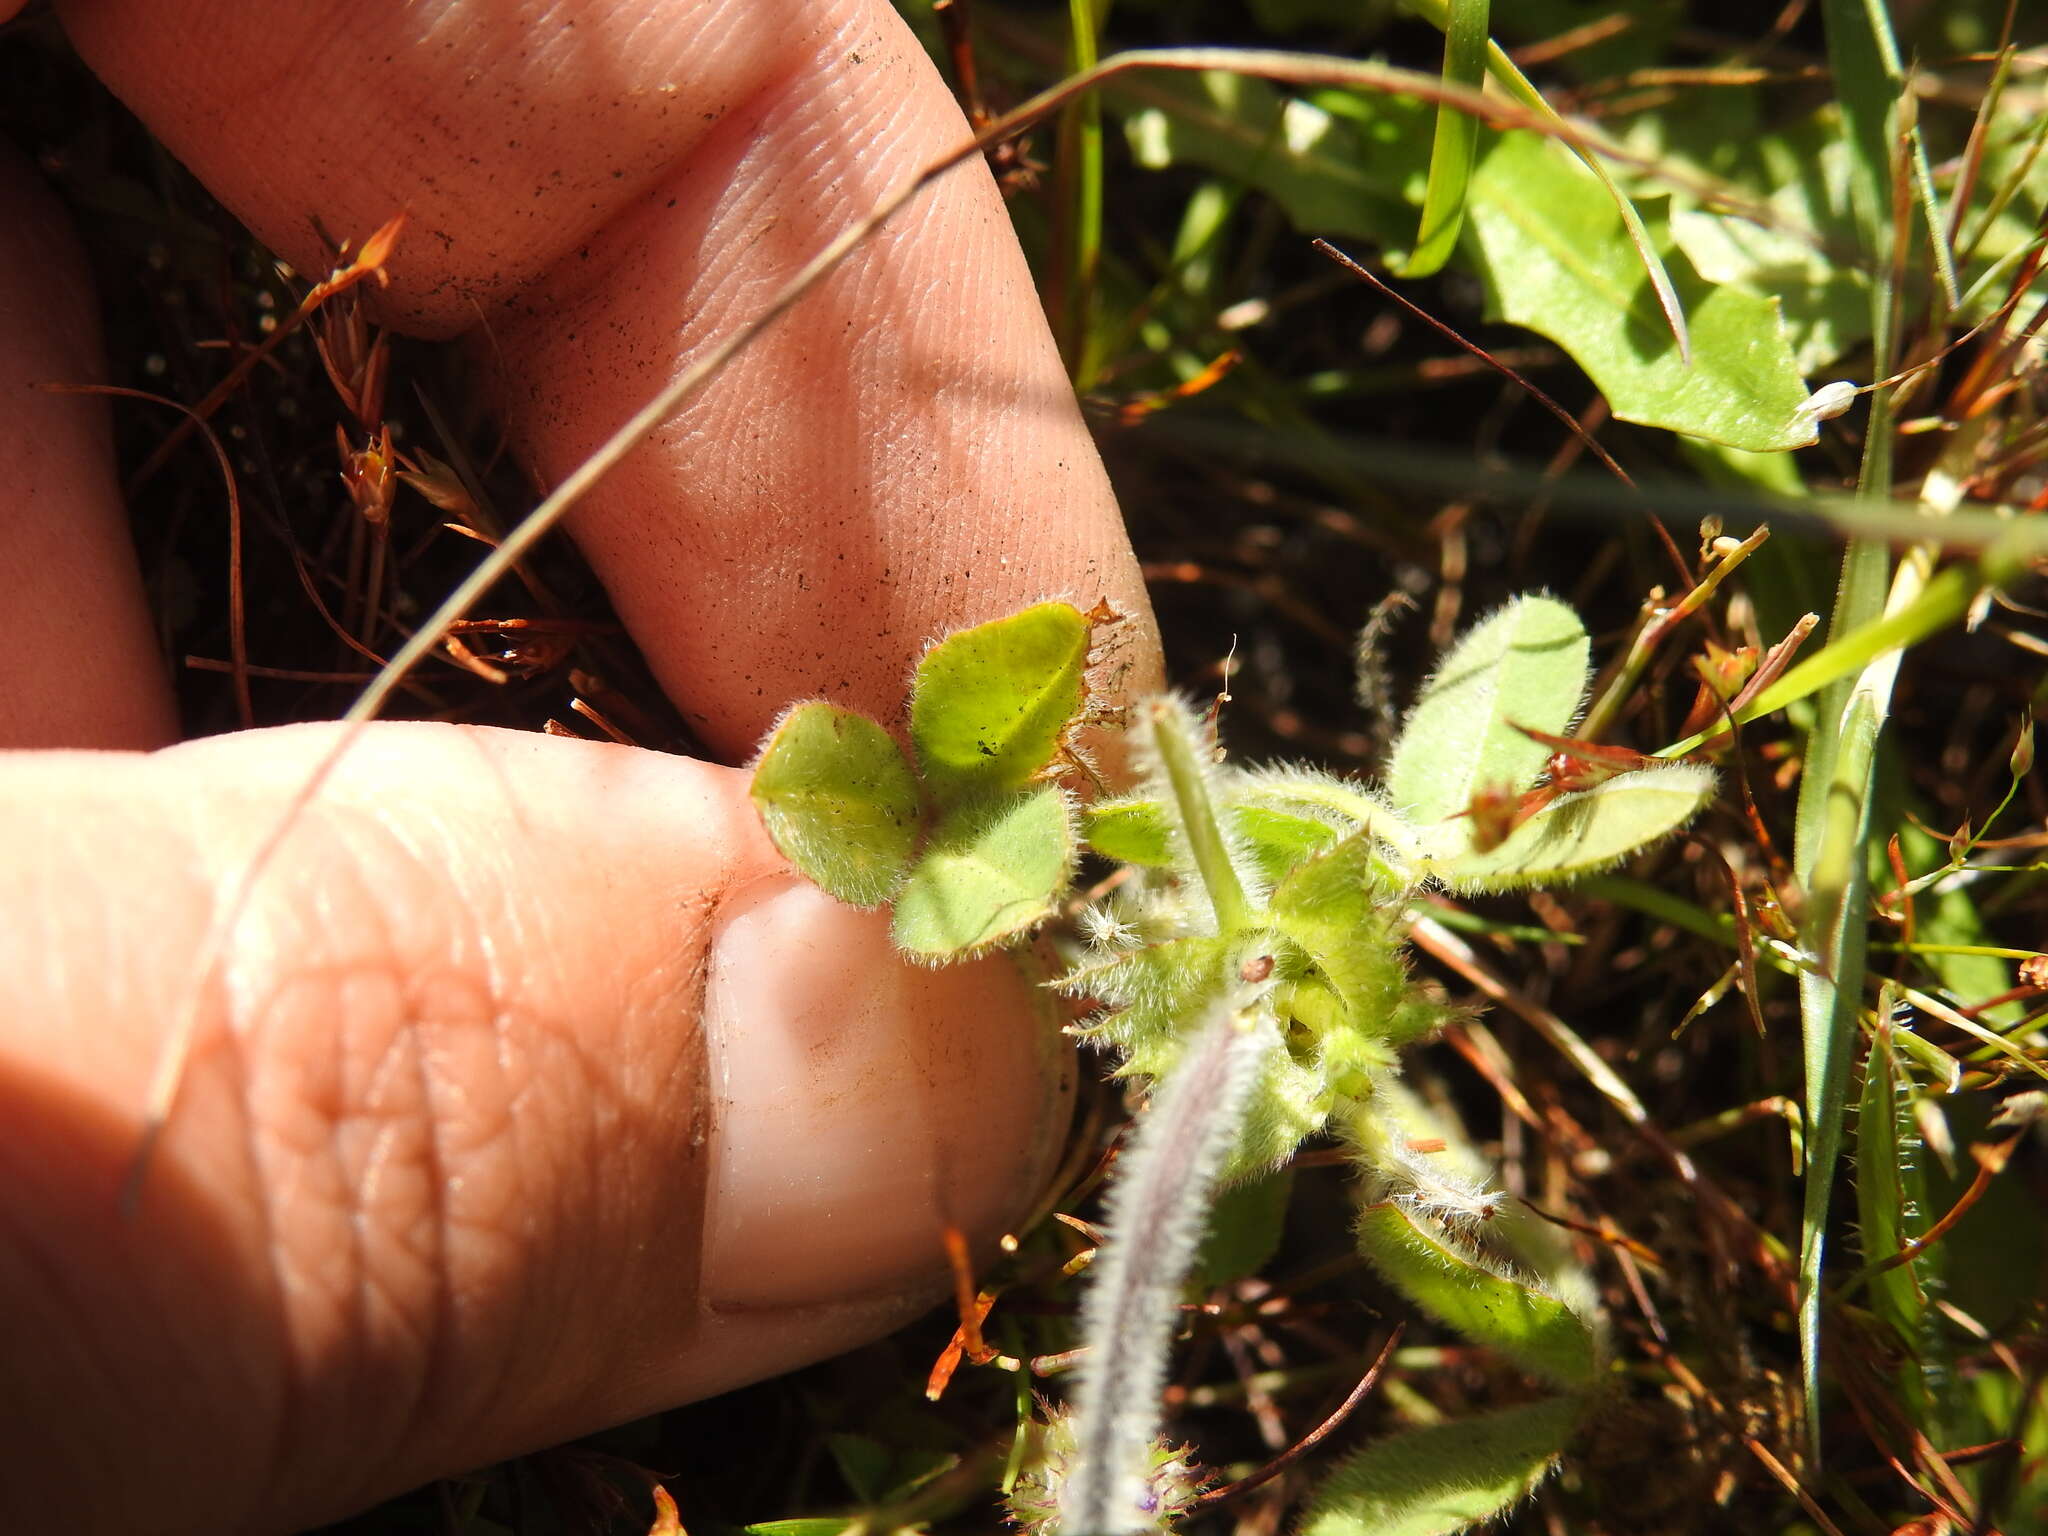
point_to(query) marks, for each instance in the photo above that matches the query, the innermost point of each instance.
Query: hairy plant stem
(1155, 1223)
(1198, 820)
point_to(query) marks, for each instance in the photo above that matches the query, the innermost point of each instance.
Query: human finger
(598, 192)
(81, 667)
(503, 1122)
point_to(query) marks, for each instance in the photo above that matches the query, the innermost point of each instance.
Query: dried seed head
(1173, 1478)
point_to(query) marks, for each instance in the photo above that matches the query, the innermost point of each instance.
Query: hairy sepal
(1343, 910)
(1149, 994)
(1297, 797)
(1279, 818)
(1291, 1101)
(1277, 840)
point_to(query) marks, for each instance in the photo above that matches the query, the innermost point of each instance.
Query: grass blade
(1077, 203)
(1457, 142)
(1835, 792)
(1882, 1144)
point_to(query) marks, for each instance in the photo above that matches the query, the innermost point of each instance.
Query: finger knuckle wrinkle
(380, 1091)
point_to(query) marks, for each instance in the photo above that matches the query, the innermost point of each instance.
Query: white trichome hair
(1422, 1187)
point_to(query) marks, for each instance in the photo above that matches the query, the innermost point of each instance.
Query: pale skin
(535, 1092)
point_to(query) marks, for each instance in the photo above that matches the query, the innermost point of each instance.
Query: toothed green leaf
(991, 870)
(1445, 1478)
(1537, 1331)
(990, 704)
(839, 800)
(1129, 831)
(1580, 834)
(1524, 665)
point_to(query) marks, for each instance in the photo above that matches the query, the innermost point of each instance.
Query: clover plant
(1250, 967)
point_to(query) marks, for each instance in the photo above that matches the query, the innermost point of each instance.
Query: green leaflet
(1584, 833)
(989, 711)
(990, 704)
(1523, 665)
(990, 871)
(1557, 259)
(839, 801)
(1133, 830)
(1537, 1331)
(1445, 1478)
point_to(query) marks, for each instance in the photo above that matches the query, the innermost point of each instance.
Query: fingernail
(860, 1104)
